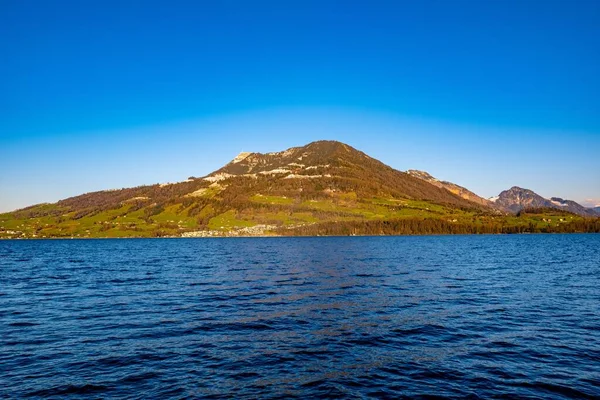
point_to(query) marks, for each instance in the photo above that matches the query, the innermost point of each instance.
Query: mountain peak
(328, 147)
(243, 155)
(517, 199)
(325, 143)
(315, 155)
(520, 189)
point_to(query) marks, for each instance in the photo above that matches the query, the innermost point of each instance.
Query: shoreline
(301, 236)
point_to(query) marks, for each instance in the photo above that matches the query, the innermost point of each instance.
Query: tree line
(430, 226)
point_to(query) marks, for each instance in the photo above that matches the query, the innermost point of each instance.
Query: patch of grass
(170, 214)
(347, 196)
(387, 202)
(206, 211)
(427, 206)
(175, 214)
(107, 215)
(228, 220)
(265, 199)
(300, 217)
(321, 205)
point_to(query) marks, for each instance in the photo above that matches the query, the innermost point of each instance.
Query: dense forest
(436, 226)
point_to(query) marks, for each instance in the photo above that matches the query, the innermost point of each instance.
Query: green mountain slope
(325, 187)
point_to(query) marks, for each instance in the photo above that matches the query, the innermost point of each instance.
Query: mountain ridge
(324, 187)
(454, 188)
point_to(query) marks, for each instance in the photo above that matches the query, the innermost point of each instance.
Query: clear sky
(487, 94)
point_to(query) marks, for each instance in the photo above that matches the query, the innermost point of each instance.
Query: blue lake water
(358, 317)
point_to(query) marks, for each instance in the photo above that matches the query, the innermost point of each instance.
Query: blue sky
(487, 94)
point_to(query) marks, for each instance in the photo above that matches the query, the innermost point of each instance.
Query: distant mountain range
(325, 187)
(512, 200)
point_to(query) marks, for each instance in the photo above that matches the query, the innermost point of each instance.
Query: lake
(353, 317)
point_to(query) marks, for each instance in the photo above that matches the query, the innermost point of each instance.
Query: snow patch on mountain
(558, 203)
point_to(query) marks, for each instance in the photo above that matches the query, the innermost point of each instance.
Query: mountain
(517, 199)
(323, 188)
(596, 210)
(453, 188)
(334, 167)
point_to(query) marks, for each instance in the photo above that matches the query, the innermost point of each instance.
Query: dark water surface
(453, 316)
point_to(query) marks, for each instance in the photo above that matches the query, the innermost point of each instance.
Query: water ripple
(383, 317)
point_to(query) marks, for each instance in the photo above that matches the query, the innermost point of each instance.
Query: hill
(325, 187)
